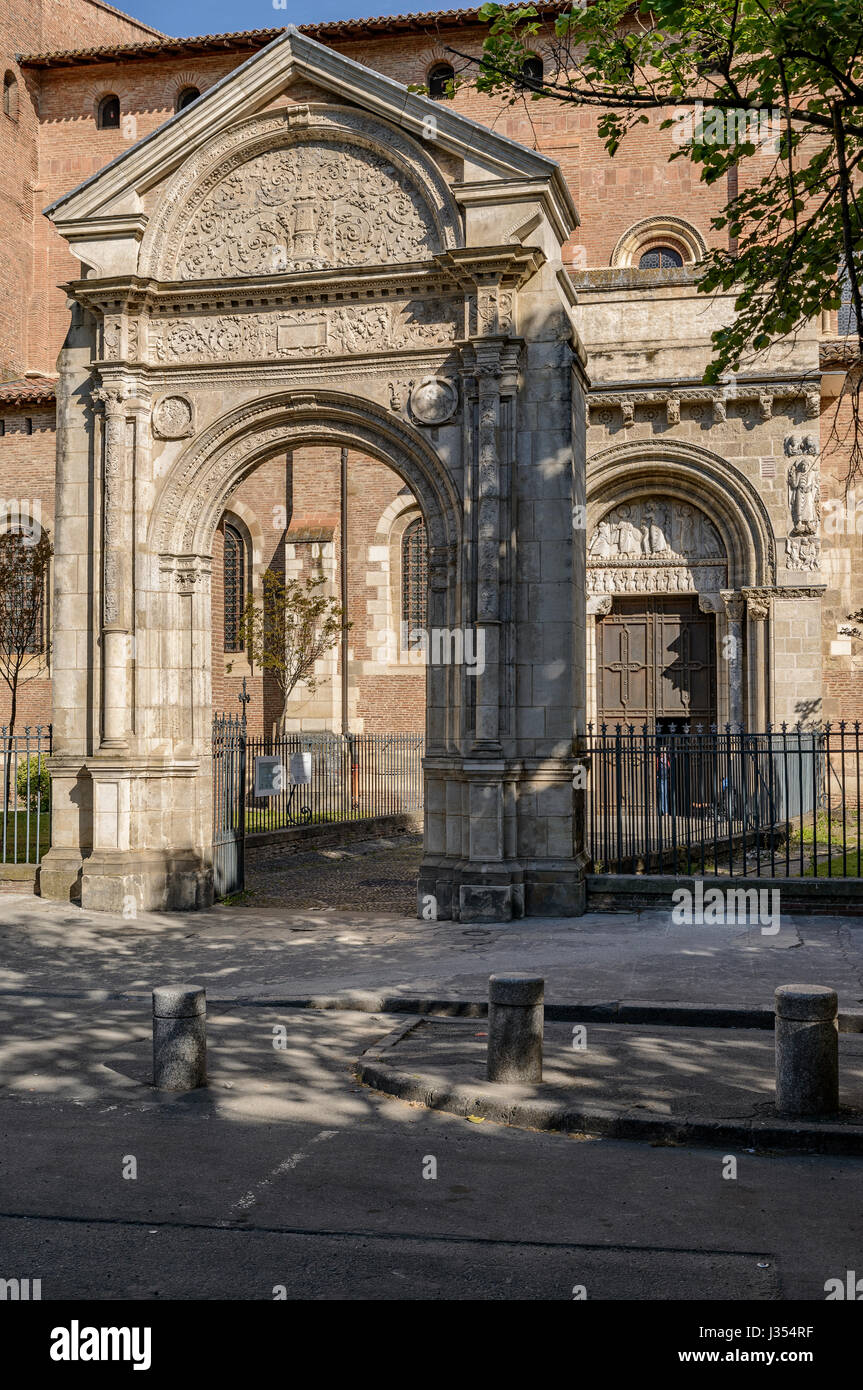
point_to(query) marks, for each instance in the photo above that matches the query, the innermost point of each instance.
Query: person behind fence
(663, 774)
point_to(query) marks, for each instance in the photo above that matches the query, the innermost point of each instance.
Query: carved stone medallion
(173, 418)
(433, 401)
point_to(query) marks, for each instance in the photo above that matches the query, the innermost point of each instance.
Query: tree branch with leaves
(288, 628)
(795, 232)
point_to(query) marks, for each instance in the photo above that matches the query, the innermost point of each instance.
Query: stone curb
(597, 1121)
(366, 1001)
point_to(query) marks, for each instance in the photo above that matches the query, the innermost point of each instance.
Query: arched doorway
(657, 559)
(681, 571)
(275, 269)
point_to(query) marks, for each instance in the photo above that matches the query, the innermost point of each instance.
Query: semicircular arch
(699, 478)
(205, 476)
(401, 188)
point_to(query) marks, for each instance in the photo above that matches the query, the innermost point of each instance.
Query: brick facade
(54, 144)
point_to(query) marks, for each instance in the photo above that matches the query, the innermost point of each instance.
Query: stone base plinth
(466, 892)
(60, 875)
(126, 882)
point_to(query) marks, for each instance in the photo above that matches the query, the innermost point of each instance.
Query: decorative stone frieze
(742, 394)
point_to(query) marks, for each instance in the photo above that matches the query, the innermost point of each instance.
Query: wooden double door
(656, 663)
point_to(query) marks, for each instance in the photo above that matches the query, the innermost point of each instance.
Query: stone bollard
(807, 1050)
(179, 1037)
(515, 1016)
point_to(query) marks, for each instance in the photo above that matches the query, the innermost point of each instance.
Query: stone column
(598, 605)
(732, 650)
(117, 545)
(73, 642)
(488, 545)
(757, 613)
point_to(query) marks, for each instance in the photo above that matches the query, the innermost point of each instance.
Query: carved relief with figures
(308, 206)
(304, 332)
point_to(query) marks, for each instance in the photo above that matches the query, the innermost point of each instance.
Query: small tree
(23, 577)
(288, 629)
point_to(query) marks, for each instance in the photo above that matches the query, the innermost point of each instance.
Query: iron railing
(699, 800)
(229, 803)
(25, 788)
(352, 777)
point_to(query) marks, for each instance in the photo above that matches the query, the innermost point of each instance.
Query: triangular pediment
(300, 83)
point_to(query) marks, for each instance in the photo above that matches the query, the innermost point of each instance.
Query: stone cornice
(671, 396)
(348, 285)
(510, 266)
(450, 272)
(261, 79)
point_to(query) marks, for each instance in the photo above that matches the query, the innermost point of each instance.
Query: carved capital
(758, 607)
(187, 574)
(111, 398)
(733, 604)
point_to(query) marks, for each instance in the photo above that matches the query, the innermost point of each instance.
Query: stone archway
(675, 519)
(268, 272)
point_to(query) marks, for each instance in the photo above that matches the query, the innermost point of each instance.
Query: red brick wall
(27, 479)
(305, 492)
(43, 156)
(28, 26)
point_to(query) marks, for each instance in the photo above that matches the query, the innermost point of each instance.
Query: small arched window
(439, 80)
(108, 113)
(23, 565)
(660, 258)
(532, 71)
(187, 96)
(10, 96)
(414, 575)
(235, 588)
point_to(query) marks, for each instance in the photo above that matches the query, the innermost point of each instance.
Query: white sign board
(301, 769)
(269, 776)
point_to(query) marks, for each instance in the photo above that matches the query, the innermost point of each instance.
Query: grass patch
(836, 870)
(29, 849)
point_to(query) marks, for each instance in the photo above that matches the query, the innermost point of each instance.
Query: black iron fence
(229, 805)
(697, 800)
(25, 788)
(320, 778)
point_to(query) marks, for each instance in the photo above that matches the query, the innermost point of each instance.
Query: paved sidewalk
(268, 954)
(649, 1081)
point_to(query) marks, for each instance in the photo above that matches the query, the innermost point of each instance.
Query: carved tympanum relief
(308, 206)
(655, 545)
(304, 332)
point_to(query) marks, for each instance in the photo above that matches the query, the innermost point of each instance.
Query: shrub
(39, 791)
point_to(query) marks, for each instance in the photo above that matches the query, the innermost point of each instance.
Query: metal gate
(229, 803)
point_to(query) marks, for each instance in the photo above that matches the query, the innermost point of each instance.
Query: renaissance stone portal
(310, 254)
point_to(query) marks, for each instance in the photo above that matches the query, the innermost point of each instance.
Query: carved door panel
(656, 663)
(624, 667)
(685, 650)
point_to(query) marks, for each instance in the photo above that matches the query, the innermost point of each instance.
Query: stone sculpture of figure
(686, 531)
(711, 546)
(656, 542)
(602, 542)
(803, 490)
(628, 535)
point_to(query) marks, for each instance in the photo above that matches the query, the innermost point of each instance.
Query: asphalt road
(286, 1177)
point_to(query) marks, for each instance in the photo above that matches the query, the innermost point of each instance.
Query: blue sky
(185, 17)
